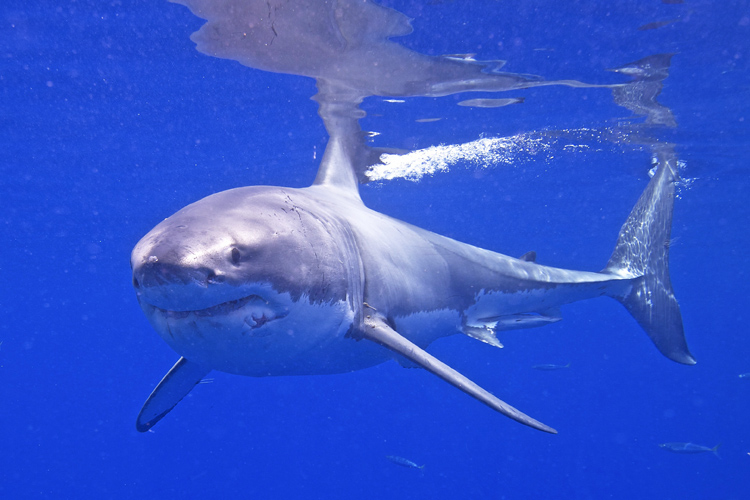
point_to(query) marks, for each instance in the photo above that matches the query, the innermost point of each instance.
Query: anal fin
(377, 330)
(175, 385)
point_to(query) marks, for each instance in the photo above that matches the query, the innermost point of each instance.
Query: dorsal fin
(528, 256)
(337, 166)
(345, 154)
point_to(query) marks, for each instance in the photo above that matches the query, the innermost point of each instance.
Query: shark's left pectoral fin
(377, 330)
(175, 385)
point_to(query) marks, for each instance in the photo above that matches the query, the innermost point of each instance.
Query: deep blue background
(111, 121)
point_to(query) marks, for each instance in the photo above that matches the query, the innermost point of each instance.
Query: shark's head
(250, 281)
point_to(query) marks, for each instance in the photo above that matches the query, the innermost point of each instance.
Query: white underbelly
(309, 339)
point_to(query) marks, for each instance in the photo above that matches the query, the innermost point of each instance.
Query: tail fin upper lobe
(642, 252)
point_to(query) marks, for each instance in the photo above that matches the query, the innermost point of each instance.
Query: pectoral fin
(377, 330)
(175, 385)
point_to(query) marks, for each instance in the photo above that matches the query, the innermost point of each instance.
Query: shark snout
(179, 288)
(153, 273)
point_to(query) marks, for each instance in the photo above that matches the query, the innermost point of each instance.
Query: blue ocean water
(111, 121)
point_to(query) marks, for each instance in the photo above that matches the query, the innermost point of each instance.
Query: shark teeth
(262, 310)
(253, 311)
(223, 308)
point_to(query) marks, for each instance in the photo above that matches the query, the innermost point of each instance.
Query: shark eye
(235, 257)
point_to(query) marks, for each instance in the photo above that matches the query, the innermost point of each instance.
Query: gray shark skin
(268, 281)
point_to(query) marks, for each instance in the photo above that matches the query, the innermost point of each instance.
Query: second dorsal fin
(528, 256)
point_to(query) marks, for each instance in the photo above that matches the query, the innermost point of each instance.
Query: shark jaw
(254, 310)
(265, 333)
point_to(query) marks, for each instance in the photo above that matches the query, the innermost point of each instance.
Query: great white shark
(270, 281)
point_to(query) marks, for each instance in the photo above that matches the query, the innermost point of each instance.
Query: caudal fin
(642, 253)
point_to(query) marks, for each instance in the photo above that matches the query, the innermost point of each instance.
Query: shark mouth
(252, 311)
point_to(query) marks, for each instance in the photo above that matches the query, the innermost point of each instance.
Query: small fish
(656, 25)
(689, 448)
(741, 375)
(427, 120)
(549, 367)
(404, 462)
(525, 320)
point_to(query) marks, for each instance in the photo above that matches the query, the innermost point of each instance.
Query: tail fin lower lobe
(642, 252)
